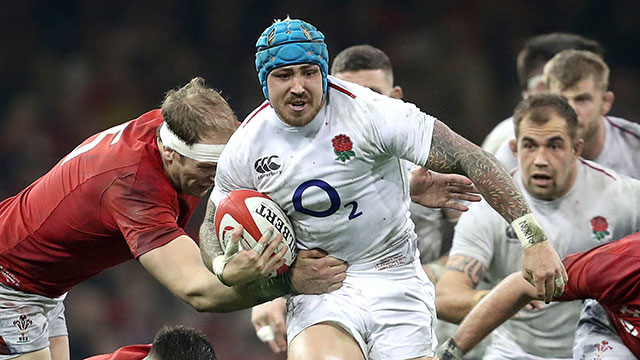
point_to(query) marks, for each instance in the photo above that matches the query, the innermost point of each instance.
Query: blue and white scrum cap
(290, 42)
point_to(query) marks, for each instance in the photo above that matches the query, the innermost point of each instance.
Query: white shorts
(27, 321)
(596, 337)
(390, 312)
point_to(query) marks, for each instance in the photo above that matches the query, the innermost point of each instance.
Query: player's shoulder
(257, 116)
(595, 170)
(342, 91)
(345, 89)
(253, 125)
(623, 127)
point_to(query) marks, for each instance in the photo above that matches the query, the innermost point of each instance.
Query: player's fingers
(539, 284)
(340, 277)
(335, 286)
(335, 264)
(458, 179)
(236, 234)
(339, 268)
(312, 254)
(539, 305)
(258, 322)
(280, 332)
(549, 288)
(273, 345)
(276, 260)
(454, 205)
(468, 197)
(266, 237)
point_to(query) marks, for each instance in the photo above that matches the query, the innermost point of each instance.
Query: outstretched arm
(178, 266)
(456, 292)
(504, 301)
(451, 153)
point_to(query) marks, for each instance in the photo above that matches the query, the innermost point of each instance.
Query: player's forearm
(209, 246)
(498, 306)
(451, 153)
(206, 294)
(455, 301)
(209, 295)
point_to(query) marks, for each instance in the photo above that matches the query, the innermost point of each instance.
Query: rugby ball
(255, 212)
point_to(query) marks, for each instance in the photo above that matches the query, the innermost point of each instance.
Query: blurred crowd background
(71, 68)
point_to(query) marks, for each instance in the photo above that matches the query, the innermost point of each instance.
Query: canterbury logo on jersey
(266, 164)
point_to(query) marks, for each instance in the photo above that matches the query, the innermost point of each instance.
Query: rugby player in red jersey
(127, 193)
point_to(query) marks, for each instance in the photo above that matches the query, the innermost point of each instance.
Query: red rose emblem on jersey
(599, 227)
(343, 146)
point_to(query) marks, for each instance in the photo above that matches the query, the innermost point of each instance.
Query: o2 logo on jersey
(334, 200)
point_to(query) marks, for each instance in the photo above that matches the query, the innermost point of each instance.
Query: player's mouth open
(541, 179)
(298, 105)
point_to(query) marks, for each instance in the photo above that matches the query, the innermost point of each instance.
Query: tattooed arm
(209, 246)
(451, 153)
(456, 292)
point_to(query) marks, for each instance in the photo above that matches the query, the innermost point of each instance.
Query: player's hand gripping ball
(256, 213)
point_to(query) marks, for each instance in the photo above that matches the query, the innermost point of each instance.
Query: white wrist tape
(528, 230)
(220, 261)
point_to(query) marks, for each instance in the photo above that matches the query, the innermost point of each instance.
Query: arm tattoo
(469, 266)
(209, 246)
(451, 153)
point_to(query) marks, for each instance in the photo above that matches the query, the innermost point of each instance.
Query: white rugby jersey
(339, 178)
(601, 206)
(621, 151)
(501, 132)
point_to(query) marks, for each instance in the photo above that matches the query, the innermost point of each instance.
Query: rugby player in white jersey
(336, 148)
(570, 197)
(529, 65)
(583, 78)
(369, 66)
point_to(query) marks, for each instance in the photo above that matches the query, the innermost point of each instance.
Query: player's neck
(593, 147)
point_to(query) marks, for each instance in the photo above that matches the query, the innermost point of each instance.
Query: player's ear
(513, 145)
(396, 92)
(607, 102)
(577, 147)
(167, 154)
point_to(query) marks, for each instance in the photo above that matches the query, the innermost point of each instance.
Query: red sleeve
(604, 273)
(575, 265)
(131, 352)
(147, 217)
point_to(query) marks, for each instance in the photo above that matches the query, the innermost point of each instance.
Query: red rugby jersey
(610, 274)
(131, 352)
(106, 202)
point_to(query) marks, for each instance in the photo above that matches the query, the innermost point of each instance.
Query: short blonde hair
(194, 111)
(569, 67)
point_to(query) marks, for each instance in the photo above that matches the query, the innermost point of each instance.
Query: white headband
(198, 152)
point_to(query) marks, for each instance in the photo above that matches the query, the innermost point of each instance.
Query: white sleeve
(476, 231)
(401, 129)
(501, 132)
(505, 156)
(632, 200)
